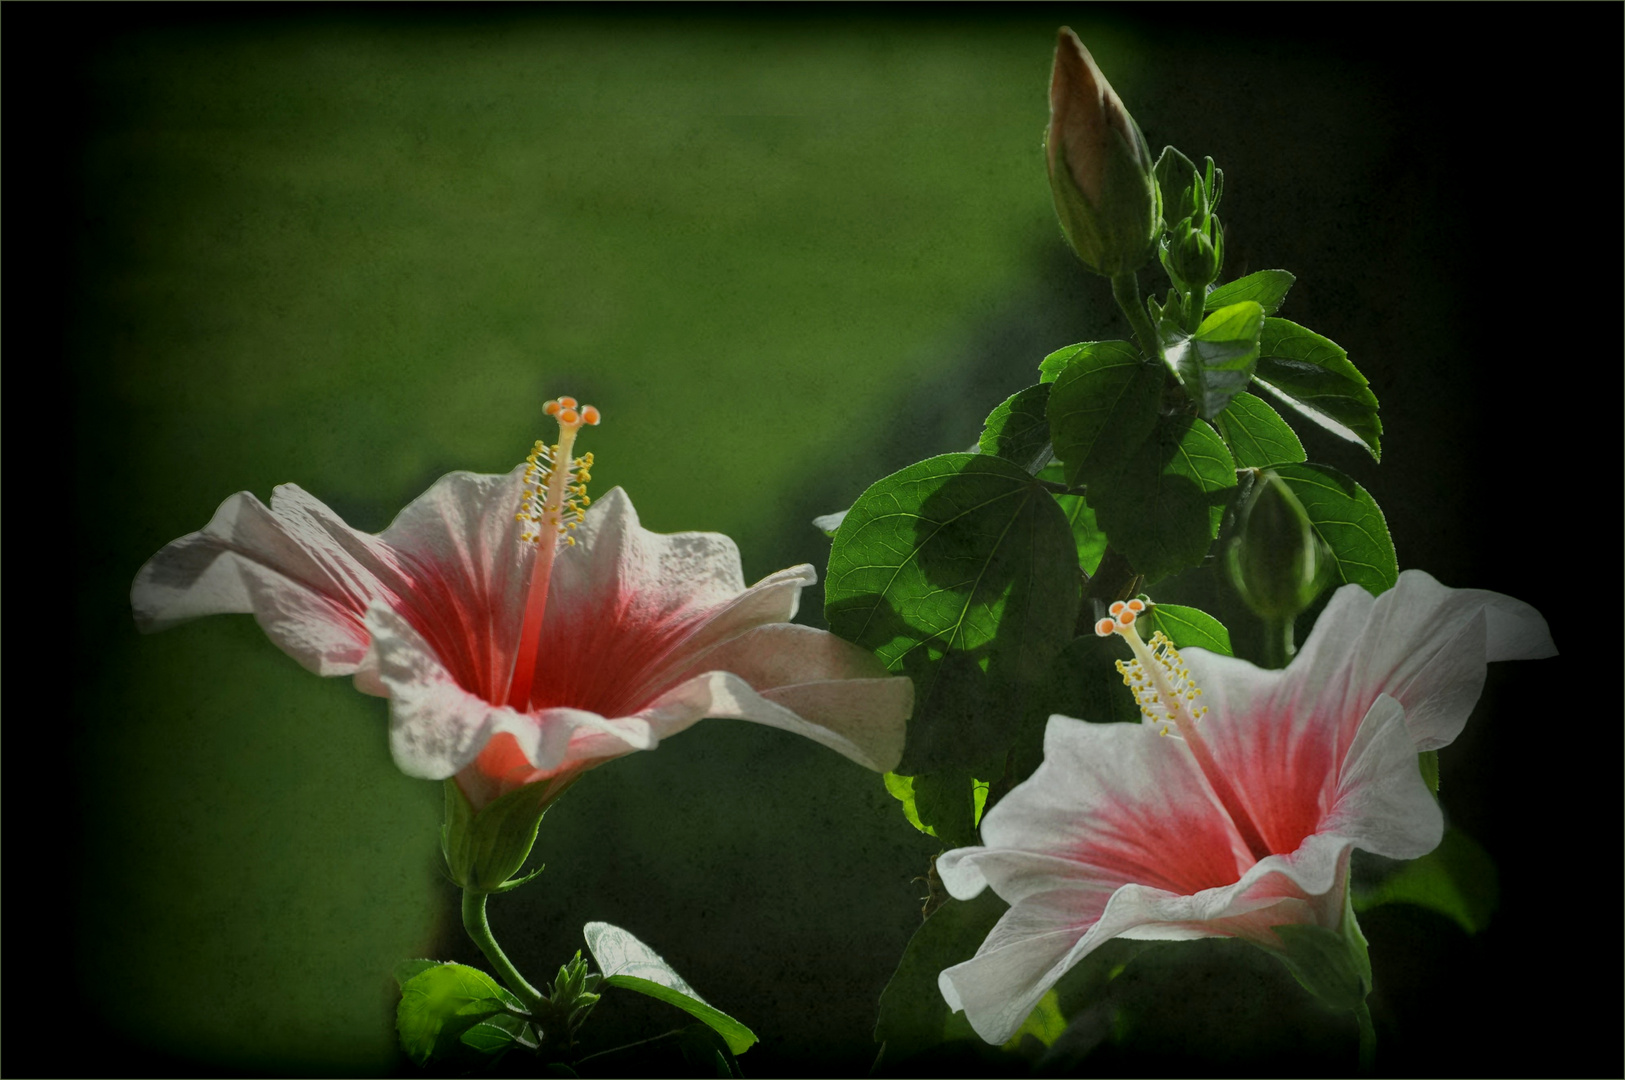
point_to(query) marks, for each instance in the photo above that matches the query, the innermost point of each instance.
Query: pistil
(1166, 694)
(555, 503)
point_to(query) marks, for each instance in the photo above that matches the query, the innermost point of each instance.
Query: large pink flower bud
(1100, 168)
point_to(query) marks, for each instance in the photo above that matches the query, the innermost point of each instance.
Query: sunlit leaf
(1256, 434)
(1101, 408)
(1266, 288)
(1187, 628)
(1348, 519)
(961, 572)
(1018, 431)
(1215, 363)
(440, 1003)
(630, 964)
(1091, 542)
(1314, 376)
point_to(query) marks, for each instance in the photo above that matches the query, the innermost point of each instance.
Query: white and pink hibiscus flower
(1244, 817)
(521, 636)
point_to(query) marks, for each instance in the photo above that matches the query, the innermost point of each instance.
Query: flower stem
(479, 929)
(1126, 291)
(1368, 1037)
(1280, 642)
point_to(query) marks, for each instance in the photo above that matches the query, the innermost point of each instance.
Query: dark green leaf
(1267, 289)
(1187, 628)
(440, 1003)
(1216, 363)
(706, 1053)
(1163, 509)
(630, 964)
(1086, 534)
(1348, 519)
(1313, 375)
(947, 804)
(1456, 879)
(1018, 431)
(495, 1034)
(1102, 407)
(959, 571)
(1257, 435)
(913, 1015)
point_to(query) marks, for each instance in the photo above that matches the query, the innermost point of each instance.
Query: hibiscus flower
(1243, 818)
(521, 636)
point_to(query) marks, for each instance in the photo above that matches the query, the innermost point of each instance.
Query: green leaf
(1457, 879)
(1347, 518)
(1428, 762)
(902, 789)
(1164, 508)
(1187, 628)
(1313, 375)
(959, 571)
(440, 1003)
(1266, 288)
(1257, 435)
(1018, 431)
(1216, 363)
(913, 1015)
(1056, 362)
(497, 1033)
(1101, 408)
(1091, 542)
(630, 964)
(406, 969)
(1045, 1023)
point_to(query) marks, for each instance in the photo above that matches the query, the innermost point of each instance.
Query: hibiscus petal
(437, 728)
(723, 695)
(468, 573)
(1383, 804)
(308, 594)
(1125, 801)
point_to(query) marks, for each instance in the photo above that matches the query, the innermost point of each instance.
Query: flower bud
(1276, 561)
(1100, 169)
(485, 850)
(1190, 256)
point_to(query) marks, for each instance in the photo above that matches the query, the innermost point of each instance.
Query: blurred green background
(785, 253)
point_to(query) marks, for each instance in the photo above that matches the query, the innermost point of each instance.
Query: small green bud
(1100, 168)
(1190, 257)
(1276, 561)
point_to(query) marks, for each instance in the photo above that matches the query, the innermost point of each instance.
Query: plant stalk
(479, 929)
(1126, 291)
(1280, 642)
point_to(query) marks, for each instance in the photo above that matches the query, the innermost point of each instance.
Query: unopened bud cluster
(1192, 248)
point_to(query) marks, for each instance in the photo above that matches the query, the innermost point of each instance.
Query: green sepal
(485, 850)
(1333, 965)
(629, 964)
